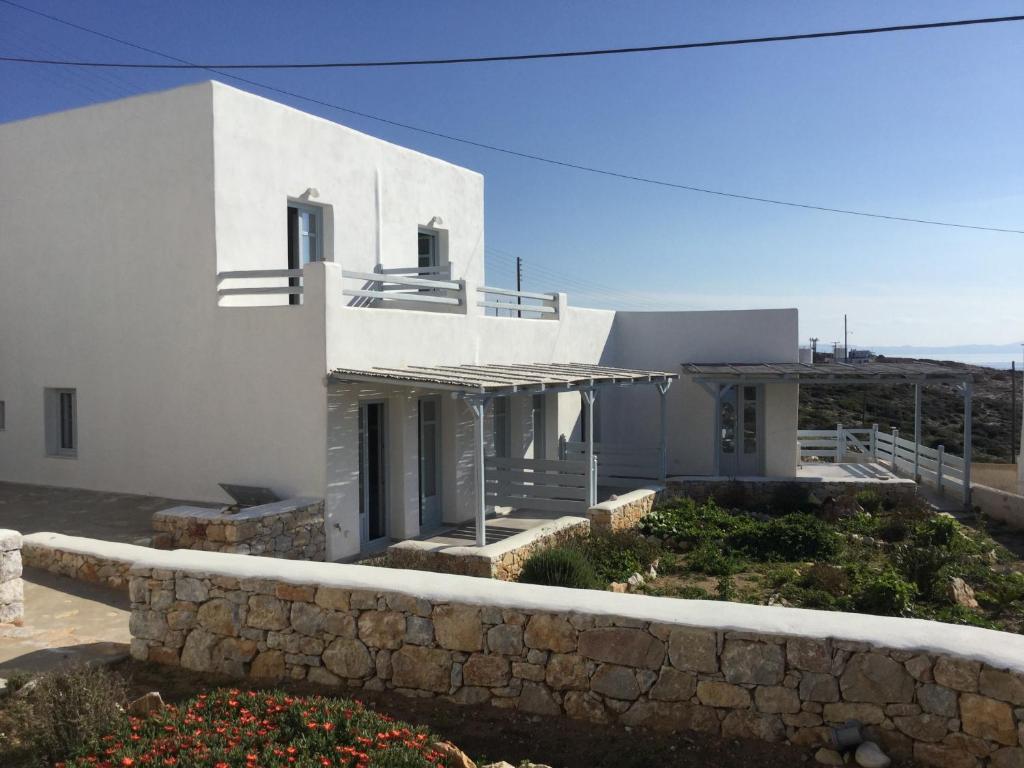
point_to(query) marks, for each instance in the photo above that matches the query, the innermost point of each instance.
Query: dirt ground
(488, 734)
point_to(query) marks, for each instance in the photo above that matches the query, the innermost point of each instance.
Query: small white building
(201, 286)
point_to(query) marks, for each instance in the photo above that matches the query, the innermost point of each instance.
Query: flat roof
(838, 373)
(503, 378)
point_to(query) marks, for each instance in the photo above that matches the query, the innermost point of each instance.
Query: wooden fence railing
(619, 466)
(518, 303)
(538, 484)
(417, 286)
(260, 282)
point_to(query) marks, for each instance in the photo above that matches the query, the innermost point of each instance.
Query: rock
(877, 679)
(672, 716)
(585, 706)
(961, 593)
(382, 629)
(567, 671)
(321, 676)
(827, 756)
(635, 582)
(618, 586)
(693, 649)
(453, 756)
(1004, 686)
(868, 714)
(307, 618)
(920, 668)
(149, 625)
(191, 590)
(615, 681)
(268, 665)
(332, 598)
(458, 627)
(537, 700)
(938, 700)
(713, 693)
(815, 686)
(622, 645)
(1007, 758)
(744, 661)
(505, 639)
(486, 671)
(741, 724)
(870, 755)
(958, 674)
(550, 633)
(776, 700)
(419, 631)
(922, 727)
(502, 764)
(146, 704)
(938, 756)
(674, 685)
(219, 616)
(809, 655)
(988, 719)
(414, 666)
(347, 657)
(267, 612)
(197, 653)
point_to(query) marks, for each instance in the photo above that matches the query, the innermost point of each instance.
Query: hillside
(822, 407)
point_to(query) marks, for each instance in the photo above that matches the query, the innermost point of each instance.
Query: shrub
(564, 566)
(617, 556)
(69, 710)
(793, 537)
(711, 559)
(869, 500)
(790, 498)
(687, 520)
(886, 594)
(826, 578)
(232, 728)
(938, 531)
(925, 566)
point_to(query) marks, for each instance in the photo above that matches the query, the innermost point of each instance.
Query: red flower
(127, 761)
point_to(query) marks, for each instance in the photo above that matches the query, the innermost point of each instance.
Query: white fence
(260, 282)
(537, 484)
(408, 287)
(933, 466)
(518, 303)
(618, 466)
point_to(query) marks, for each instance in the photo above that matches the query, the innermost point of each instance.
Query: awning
(503, 379)
(828, 373)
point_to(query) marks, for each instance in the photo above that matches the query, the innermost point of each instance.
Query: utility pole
(814, 347)
(519, 284)
(846, 341)
(1013, 411)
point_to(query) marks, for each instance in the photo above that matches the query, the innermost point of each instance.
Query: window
(428, 251)
(502, 432)
(305, 240)
(3, 415)
(61, 422)
(539, 428)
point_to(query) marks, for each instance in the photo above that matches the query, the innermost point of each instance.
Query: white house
(202, 286)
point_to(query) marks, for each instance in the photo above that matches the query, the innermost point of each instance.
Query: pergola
(714, 376)
(477, 385)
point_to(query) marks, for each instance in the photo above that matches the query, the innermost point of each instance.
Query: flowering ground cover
(231, 728)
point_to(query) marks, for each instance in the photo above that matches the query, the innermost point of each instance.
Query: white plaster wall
(107, 263)
(665, 340)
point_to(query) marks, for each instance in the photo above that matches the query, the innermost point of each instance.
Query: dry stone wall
(12, 597)
(940, 695)
(762, 491)
(92, 560)
(625, 511)
(292, 529)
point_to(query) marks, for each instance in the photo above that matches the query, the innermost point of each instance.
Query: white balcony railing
(419, 287)
(260, 282)
(511, 303)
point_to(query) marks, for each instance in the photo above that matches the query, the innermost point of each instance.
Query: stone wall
(764, 490)
(502, 559)
(942, 695)
(93, 560)
(625, 511)
(292, 529)
(12, 593)
(999, 505)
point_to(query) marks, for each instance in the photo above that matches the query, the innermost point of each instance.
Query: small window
(3, 415)
(61, 422)
(305, 241)
(428, 251)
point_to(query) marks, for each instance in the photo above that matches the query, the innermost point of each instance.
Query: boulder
(870, 755)
(961, 593)
(453, 756)
(146, 704)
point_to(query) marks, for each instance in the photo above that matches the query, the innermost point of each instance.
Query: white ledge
(78, 545)
(1002, 650)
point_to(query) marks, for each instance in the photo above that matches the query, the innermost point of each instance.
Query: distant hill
(954, 351)
(822, 407)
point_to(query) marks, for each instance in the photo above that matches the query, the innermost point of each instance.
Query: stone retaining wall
(942, 695)
(625, 511)
(93, 560)
(762, 491)
(502, 560)
(292, 529)
(12, 595)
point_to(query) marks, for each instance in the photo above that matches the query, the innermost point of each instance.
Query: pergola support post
(968, 394)
(917, 433)
(895, 449)
(663, 431)
(478, 405)
(589, 396)
(874, 442)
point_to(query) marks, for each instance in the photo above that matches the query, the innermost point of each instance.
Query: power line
(517, 153)
(528, 56)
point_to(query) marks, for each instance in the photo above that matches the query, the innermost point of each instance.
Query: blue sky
(921, 124)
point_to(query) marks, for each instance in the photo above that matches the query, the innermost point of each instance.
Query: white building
(183, 271)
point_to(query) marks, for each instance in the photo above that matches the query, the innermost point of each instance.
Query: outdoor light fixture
(311, 193)
(435, 221)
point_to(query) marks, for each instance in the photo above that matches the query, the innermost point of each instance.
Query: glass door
(372, 473)
(430, 464)
(740, 426)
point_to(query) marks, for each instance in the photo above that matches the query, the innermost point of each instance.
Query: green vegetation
(869, 557)
(591, 562)
(565, 566)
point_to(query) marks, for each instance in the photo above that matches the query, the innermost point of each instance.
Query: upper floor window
(305, 235)
(428, 250)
